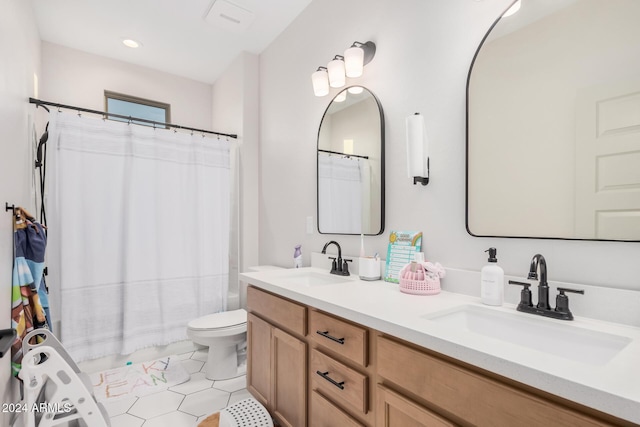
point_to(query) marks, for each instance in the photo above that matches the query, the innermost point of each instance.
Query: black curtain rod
(42, 104)
(343, 154)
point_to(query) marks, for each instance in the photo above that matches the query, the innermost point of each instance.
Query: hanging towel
(27, 291)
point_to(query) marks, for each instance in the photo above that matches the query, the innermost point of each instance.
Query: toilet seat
(226, 320)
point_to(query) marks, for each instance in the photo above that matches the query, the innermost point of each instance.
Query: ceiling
(178, 37)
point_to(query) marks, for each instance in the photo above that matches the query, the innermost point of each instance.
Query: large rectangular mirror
(553, 123)
(351, 164)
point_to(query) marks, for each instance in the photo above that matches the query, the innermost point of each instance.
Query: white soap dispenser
(492, 280)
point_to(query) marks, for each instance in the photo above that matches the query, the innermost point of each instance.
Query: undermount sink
(567, 341)
(310, 278)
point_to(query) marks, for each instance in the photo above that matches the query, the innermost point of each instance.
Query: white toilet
(221, 332)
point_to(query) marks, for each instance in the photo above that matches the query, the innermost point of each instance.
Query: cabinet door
(259, 359)
(395, 410)
(289, 376)
(326, 414)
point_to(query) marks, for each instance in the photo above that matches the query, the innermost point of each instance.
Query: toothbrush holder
(369, 268)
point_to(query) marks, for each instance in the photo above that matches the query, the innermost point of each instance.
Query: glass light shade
(354, 61)
(355, 90)
(320, 82)
(336, 73)
(341, 96)
(513, 9)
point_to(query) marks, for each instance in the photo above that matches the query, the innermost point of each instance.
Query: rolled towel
(435, 268)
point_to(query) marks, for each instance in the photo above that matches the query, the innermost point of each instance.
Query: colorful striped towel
(27, 297)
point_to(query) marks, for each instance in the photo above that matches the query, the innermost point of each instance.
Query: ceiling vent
(229, 16)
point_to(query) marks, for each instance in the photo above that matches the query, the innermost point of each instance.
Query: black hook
(8, 208)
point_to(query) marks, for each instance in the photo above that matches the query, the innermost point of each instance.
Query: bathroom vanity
(327, 351)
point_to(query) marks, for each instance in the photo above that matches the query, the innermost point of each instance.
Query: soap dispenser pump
(492, 280)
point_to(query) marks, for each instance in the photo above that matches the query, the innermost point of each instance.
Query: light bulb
(355, 90)
(341, 96)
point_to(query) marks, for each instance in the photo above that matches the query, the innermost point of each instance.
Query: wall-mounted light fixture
(340, 67)
(320, 80)
(417, 150)
(336, 71)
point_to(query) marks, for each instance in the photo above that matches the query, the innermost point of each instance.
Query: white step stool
(245, 413)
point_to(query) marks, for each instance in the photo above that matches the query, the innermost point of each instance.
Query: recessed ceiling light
(131, 43)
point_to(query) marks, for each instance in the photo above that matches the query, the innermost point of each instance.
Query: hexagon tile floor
(182, 405)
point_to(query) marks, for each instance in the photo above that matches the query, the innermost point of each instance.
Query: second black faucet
(338, 266)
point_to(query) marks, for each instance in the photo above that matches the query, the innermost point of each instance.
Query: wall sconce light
(320, 81)
(357, 56)
(340, 67)
(336, 71)
(417, 150)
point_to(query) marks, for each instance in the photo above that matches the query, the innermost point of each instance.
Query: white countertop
(613, 388)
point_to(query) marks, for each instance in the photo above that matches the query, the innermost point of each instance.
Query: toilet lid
(224, 319)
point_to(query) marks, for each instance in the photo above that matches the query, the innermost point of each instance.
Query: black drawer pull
(326, 335)
(326, 376)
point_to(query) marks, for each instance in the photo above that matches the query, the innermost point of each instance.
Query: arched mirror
(351, 164)
(553, 125)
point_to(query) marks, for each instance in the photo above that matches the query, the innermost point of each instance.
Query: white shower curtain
(140, 222)
(340, 190)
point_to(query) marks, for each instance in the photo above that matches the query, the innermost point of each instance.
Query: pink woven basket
(428, 286)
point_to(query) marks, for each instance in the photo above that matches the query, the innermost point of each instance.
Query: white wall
(424, 48)
(77, 78)
(19, 61)
(235, 110)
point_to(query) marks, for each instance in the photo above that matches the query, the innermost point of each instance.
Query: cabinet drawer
(286, 314)
(326, 414)
(339, 336)
(339, 382)
(471, 396)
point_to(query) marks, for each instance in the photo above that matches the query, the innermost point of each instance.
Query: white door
(608, 162)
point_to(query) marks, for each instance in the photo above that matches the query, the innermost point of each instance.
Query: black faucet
(338, 266)
(543, 287)
(543, 308)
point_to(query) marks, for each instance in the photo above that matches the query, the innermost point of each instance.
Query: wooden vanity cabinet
(414, 381)
(385, 382)
(277, 356)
